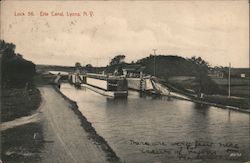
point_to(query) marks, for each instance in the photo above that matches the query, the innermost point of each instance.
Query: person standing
(57, 80)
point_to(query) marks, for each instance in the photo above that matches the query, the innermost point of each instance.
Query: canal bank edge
(87, 126)
(219, 105)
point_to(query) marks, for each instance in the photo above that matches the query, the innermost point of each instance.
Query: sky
(217, 31)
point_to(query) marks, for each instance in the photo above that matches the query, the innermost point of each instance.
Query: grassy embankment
(239, 86)
(19, 95)
(19, 144)
(239, 91)
(18, 102)
(18, 99)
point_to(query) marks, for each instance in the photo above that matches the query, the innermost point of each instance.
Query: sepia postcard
(125, 81)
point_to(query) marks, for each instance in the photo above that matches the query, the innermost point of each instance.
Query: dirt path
(66, 139)
(20, 121)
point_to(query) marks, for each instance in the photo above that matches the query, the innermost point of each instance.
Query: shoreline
(212, 104)
(87, 126)
(215, 105)
(222, 106)
(195, 100)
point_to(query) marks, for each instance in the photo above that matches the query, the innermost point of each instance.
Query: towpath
(66, 139)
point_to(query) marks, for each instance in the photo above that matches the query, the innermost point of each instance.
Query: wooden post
(229, 80)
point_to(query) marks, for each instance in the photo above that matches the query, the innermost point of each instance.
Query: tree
(16, 71)
(205, 84)
(7, 49)
(78, 65)
(117, 60)
(19, 55)
(88, 66)
(199, 62)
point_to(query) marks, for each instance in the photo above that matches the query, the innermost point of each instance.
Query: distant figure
(57, 80)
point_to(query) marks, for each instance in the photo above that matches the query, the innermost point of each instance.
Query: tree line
(15, 70)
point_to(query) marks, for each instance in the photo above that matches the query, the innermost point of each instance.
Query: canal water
(154, 129)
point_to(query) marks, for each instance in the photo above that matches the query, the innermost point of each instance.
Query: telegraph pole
(154, 61)
(229, 80)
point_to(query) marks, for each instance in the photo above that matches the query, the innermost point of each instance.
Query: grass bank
(239, 86)
(18, 102)
(19, 144)
(22, 144)
(242, 103)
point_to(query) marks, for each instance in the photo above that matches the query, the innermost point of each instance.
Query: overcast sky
(217, 31)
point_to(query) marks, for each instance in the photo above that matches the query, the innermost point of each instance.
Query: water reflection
(111, 102)
(229, 115)
(201, 106)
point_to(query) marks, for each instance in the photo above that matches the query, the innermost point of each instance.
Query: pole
(229, 80)
(154, 61)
